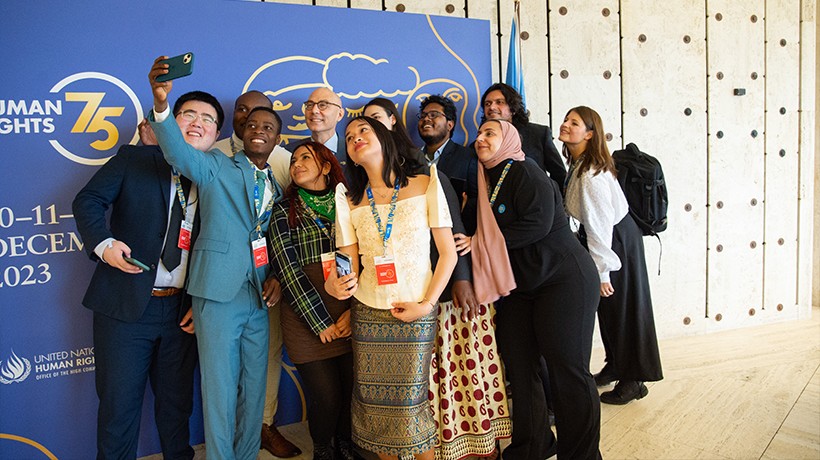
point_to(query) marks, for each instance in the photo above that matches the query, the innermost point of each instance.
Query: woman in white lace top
(384, 223)
(595, 199)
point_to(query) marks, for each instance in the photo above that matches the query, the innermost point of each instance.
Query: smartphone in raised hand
(178, 67)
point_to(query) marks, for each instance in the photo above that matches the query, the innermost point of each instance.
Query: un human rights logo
(14, 369)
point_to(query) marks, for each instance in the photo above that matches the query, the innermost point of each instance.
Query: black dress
(627, 321)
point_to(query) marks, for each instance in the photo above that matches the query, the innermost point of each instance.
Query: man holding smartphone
(142, 326)
(228, 284)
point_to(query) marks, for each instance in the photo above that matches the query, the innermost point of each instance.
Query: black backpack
(641, 178)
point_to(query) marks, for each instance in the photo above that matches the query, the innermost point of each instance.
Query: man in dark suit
(323, 111)
(503, 101)
(437, 121)
(141, 329)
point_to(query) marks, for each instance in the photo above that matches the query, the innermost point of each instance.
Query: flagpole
(515, 74)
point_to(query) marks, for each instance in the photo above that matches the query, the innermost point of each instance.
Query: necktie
(260, 184)
(172, 254)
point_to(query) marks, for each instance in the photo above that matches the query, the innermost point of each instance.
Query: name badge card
(184, 242)
(385, 270)
(260, 252)
(328, 263)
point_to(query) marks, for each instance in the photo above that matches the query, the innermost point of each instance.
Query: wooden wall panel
(488, 9)
(664, 105)
(364, 4)
(809, 156)
(296, 2)
(533, 30)
(585, 61)
(437, 7)
(782, 165)
(735, 33)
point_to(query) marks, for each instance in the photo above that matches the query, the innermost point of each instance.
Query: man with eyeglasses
(502, 101)
(437, 121)
(323, 111)
(142, 318)
(229, 270)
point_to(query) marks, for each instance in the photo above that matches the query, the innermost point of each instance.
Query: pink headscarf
(492, 273)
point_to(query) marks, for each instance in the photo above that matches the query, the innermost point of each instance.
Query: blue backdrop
(75, 86)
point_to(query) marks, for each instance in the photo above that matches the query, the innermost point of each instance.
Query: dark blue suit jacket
(341, 149)
(536, 142)
(136, 185)
(460, 164)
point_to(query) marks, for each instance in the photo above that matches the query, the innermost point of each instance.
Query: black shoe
(624, 391)
(606, 376)
(323, 452)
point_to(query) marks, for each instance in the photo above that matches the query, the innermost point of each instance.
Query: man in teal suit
(228, 269)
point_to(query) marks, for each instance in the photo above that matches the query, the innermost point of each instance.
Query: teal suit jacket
(222, 256)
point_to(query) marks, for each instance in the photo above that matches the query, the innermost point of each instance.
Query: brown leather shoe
(276, 444)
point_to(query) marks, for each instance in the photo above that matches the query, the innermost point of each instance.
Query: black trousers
(554, 321)
(329, 388)
(127, 355)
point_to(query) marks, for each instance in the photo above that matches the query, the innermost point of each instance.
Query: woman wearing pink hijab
(524, 251)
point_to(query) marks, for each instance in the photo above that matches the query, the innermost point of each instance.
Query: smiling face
(363, 145)
(201, 132)
(379, 113)
(434, 126)
(496, 106)
(244, 104)
(261, 134)
(305, 170)
(322, 123)
(488, 140)
(574, 132)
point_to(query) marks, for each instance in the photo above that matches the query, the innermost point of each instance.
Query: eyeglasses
(323, 105)
(190, 116)
(433, 114)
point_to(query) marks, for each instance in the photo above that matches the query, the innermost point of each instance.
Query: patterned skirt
(390, 407)
(467, 391)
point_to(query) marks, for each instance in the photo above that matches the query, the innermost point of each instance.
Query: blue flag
(515, 75)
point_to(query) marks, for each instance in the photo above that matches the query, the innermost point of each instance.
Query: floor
(745, 394)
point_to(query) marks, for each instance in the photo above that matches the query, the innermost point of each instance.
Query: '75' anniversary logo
(100, 120)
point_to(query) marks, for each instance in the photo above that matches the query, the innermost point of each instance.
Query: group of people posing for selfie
(414, 287)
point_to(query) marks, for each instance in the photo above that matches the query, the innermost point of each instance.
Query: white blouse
(409, 242)
(598, 202)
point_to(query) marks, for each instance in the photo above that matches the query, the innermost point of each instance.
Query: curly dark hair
(520, 114)
(446, 104)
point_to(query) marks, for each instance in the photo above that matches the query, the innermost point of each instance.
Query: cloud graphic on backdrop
(357, 78)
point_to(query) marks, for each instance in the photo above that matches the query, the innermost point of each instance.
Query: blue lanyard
(312, 214)
(388, 229)
(500, 181)
(180, 193)
(256, 200)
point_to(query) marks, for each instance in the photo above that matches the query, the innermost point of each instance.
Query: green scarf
(324, 205)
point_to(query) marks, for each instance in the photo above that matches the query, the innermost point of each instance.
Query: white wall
(740, 249)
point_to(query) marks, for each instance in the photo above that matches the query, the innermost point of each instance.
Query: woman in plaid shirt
(315, 325)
